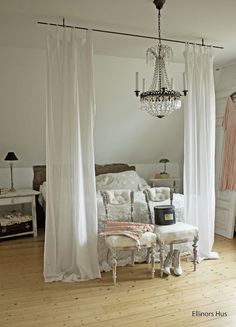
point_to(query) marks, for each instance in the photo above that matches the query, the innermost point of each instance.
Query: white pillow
(118, 196)
(126, 180)
(157, 194)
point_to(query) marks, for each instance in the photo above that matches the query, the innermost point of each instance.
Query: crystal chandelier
(160, 99)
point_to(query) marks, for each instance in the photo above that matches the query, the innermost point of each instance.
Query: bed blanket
(129, 229)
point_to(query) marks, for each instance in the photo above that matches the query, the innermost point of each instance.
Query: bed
(111, 177)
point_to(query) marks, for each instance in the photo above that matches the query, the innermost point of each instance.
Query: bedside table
(166, 182)
(18, 198)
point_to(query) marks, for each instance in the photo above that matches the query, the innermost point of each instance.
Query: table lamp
(11, 157)
(164, 161)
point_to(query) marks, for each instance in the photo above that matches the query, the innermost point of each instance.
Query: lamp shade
(164, 160)
(11, 156)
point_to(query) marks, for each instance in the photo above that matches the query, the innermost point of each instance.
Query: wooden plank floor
(26, 301)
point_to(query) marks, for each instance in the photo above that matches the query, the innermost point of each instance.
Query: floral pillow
(128, 180)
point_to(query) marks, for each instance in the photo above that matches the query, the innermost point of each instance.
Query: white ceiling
(188, 20)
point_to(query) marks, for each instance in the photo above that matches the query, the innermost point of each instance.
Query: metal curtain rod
(129, 34)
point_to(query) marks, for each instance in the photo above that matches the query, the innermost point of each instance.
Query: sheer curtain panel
(199, 146)
(71, 219)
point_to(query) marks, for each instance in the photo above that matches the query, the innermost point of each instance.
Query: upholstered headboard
(40, 172)
(112, 168)
(39, 176)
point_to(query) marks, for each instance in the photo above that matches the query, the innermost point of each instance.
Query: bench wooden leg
(162, 253)
(132, 257)
(114, 265)
(152, 255)
(195, 253)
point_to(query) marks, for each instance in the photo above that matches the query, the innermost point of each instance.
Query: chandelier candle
(184, 81)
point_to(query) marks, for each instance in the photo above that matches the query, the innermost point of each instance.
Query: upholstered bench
(168, 235)
(124, 235)
(176, 234)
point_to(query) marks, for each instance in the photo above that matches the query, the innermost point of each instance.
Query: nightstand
(20, 223)
(172, 182)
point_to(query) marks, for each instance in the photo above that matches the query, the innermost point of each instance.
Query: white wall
(22, 177)
(122, 132)
(22, 105)
(225, 79)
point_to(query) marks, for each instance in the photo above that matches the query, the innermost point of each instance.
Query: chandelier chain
(159, 26)
(159, 47)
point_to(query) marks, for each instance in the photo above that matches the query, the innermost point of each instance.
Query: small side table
(20, 197)
(172, 182)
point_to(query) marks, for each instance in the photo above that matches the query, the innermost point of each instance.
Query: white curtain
(71, 219)
(199, 146)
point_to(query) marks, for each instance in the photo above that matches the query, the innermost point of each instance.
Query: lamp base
(12, 185)
(162, 175)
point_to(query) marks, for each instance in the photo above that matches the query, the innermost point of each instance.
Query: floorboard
(206, 297)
